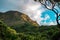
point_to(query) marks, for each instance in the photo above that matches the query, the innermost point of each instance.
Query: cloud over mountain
(29, 7)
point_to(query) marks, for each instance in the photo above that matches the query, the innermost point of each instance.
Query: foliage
(28, 32)
(6, 33)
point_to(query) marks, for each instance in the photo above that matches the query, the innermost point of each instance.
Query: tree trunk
(57, 21)
(57, 16)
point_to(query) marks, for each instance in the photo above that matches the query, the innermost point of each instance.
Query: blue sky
(33, 9)
(50, 17)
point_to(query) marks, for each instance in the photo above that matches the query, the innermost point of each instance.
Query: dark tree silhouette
(56, 36)
(50, 5)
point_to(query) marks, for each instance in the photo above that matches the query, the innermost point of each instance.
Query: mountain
(14, 18)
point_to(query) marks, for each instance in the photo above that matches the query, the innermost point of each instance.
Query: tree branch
(53, 4)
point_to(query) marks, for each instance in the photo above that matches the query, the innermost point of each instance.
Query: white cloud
(32, 9)
(52, 23)
(59, 21)
(49, 23)
(47, 17)
(29, 7)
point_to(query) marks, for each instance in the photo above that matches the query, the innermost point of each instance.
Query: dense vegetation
(17, 26)
(28, 32)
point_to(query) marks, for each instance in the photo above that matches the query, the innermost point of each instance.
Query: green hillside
(18, 26)
(12, 18)
(29, 32)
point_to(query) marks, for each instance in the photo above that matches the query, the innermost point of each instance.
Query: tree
(50, 5)
(6, 33)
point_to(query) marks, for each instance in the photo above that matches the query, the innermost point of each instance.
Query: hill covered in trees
(29, 32)
(17, 26)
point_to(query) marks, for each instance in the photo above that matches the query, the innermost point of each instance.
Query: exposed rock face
(15, 17)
